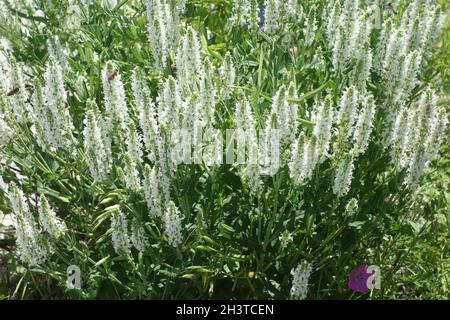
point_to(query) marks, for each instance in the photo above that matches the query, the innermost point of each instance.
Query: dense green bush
(351, 96)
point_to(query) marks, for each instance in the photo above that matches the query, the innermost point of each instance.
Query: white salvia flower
(293, 8)
(269, 147)
(170, 104)
(197, 125)
(131, 173)
(423, 140)
(16, 94)
(398, 138)
(309, 159)
(304, 158)
(116, 111)
(244, 115)
(293, 111)
(31, 248)
(420, 123)
(146, 114)
(343, 177)
(285, 113)
(42, 121)
(133, 142)
(361, 28)
(390, 117)
(108, 4)
(52, 123)
(295, 163)
(73, 16)
(164, 178)
(4, 186)
(195, 48)
(436, 135)
(208, 92)
(6, 133)
(152, 190)
(348, 31)
(407, 79)
(382, 40)
(158, 32)
(119, 235)
(332, 23)
(57, 51)
(346, 116)
(139, 86)
(310, 30)
(163, 20)
(193, 116)
(173, 10)
(172, 225)
(138, 237)
(323, 121)
(339, 54)
(281, 111)
(47, 218)
(402, 48)
(165, 167)
(97, 146)
(213, 144)
(188, 60)
(417, 164)
(428, 26)
(361, 72)
(247, 145)
(407, 148)
(301, 274)
(364, 125)
(239, 12)
(245, 13)
(251, 170)
(392, 53)
(54, 87)
(228, 75)
(56, 98)
(272, 16)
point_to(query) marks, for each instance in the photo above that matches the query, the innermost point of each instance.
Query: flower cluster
(417, 135)
(278, 15)
(402, 45)
(173, 225)
(344, 19)
(245, 13)
(300, 280)
(47, 217)
(52, 122)
(119, 233)
(163, 20)
(97, 145)
(31, 246)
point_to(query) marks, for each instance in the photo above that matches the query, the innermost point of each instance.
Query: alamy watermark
(364, 278)
(73, 277)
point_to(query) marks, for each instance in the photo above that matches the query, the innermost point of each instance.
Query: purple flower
(357, 280)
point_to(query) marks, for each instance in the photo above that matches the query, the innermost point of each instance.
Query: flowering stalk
(300, 280)
(119, 236)
(173, 226)
(47, 217)
(31, 247)
(97, 146)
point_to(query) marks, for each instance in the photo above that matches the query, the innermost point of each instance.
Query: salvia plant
(221, 149)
